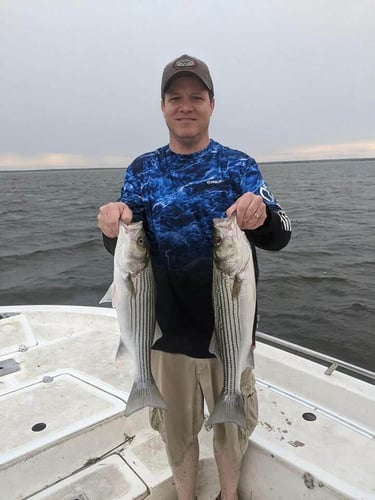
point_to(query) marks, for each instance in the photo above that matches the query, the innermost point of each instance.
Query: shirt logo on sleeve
(285, 221)
(214, 181)
(266, 194)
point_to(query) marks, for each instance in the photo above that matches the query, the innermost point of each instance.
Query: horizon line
(112, 167)
(305, 153)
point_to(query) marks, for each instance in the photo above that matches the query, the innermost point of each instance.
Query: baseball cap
(186, 65)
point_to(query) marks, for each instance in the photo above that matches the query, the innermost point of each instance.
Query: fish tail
(229, 408)
(144, 393)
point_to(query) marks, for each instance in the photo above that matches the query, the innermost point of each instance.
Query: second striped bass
(234, 301)
(133, 297)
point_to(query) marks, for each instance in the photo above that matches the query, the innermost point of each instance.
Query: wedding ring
(256, 215)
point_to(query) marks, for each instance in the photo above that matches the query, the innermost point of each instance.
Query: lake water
(318, 292)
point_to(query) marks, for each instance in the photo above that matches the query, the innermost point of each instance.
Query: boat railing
(333, 363)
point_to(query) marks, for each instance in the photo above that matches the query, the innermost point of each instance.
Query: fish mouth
(220, 221)
(132, 225)
(225, 221)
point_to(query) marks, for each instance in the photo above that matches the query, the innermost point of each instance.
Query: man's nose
(186, 105)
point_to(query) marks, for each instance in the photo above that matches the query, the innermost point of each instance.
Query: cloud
(358, 149)
(15, 161)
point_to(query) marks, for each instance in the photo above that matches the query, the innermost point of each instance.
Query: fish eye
(141, 241)
(218, 240)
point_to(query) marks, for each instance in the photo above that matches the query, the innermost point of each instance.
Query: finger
(109, 229)
(108, 218)
(254, 213)
(252, 220)
(231, 209)
(126, 215)
(259, 216)
(244, 211)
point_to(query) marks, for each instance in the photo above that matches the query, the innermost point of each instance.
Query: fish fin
(229, 408)
(250, 359)
(213, 347)
(107, 297)
(236, 289)
(142, 394)
(158, 334)
(122, 350)
(129, 284)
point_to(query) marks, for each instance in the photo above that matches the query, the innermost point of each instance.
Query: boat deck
(64, 434)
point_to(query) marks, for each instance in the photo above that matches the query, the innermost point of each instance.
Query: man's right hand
(110, 215)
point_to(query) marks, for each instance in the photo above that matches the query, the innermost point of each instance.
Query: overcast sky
(80, 79)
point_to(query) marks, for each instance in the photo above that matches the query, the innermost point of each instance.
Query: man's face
(187, 109)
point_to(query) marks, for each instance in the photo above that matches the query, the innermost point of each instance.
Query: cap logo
(185, 62)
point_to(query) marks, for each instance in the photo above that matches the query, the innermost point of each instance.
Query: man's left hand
(251, 211)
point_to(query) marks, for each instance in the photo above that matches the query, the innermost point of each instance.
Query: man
(177, 190)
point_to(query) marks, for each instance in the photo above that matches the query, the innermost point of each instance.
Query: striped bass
(234, 302)
(133, 297)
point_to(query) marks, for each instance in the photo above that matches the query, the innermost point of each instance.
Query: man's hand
(251, 211)
(110, 215)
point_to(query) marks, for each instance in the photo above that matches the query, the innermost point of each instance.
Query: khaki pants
(185, 383)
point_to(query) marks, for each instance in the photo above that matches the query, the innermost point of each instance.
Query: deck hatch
(55, 428)
(9, 366)
(65, 406)
(108, 479)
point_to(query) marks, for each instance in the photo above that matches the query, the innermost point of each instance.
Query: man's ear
(212, 104)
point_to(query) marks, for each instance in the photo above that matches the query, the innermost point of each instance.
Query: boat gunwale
(307, 353)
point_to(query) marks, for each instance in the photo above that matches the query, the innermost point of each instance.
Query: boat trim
(334, 363)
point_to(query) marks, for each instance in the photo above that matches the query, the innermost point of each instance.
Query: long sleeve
(276, 231)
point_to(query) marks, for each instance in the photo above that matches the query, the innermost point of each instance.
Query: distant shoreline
(316, 161)
(273, 162)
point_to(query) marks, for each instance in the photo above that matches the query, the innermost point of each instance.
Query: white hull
(64, 435)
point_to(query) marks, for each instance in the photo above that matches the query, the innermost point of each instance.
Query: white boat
(64, 435)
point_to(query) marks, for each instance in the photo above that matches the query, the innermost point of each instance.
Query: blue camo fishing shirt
(177, 196)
